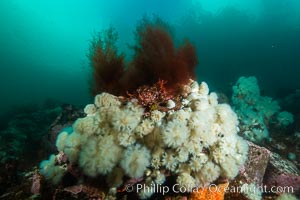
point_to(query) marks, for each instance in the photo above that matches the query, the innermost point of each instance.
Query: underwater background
(98, 95)
(44, 44)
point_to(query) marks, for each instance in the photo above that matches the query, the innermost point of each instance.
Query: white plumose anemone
(175, 134)
(135, 160)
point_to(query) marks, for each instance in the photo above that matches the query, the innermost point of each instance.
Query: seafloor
(28, 136)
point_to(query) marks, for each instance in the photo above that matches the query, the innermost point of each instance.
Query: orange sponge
(212, 193)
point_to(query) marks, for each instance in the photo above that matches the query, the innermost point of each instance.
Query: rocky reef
(195, 143)
(30, 184)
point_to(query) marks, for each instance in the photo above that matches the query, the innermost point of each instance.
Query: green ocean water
(43, 44)
(46, 80)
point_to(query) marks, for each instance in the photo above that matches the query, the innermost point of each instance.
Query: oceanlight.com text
(163, 189)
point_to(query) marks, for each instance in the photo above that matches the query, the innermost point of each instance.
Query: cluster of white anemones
(197, 143)
(255, 110)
